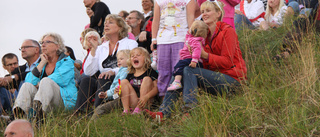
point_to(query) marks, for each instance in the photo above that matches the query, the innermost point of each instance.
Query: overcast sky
(24, 19)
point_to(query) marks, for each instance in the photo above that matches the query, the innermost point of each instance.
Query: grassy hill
(280, 98)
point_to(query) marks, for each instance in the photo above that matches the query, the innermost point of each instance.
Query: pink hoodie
(195, 44)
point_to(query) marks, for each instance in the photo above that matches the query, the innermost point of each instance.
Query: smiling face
(111, 27)
(147, 5)
(122, 59)
(209, 14)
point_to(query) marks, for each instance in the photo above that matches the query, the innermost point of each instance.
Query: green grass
(279, 99)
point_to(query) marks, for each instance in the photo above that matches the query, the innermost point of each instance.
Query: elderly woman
(101, 63)
(51, 83)
(223, 64)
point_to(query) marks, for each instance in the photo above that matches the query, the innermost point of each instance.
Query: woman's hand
(143, 36)
(106, 75)
(204, 54)
(192, 64)
(103, 95)
(143, 101)
(89, 12)
(44, 58)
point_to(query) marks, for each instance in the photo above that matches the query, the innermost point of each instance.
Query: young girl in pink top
(190, 53)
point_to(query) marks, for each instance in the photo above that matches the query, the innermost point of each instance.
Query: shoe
(174, 86)
(154, 115)
(125, 112)
(136, 111)
(154, 60)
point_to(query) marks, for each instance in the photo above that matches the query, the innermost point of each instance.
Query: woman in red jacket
(224, 66)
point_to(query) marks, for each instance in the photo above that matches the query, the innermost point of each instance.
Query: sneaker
(136, 111)
(154, 60)
(174, 86)
(154, 115)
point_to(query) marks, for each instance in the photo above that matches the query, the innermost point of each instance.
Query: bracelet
(153, 39)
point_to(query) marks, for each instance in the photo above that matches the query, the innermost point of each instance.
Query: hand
(89, 12)
(93, 42)
(103, 95)
(204, 54)
(192, 64)
(116, 91)
(153, 43)
(143, 36)
(106, 75)
(143, 101)
(44, 58)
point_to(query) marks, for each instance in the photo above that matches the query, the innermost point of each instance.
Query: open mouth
(136, 62)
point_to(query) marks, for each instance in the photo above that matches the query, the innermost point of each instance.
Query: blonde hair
(91, 33)
(216, 5)
(268, 10)
(147, 59)
(84, 32)
(199, 29)
(57, 39)
(125, 52)
(123, 32)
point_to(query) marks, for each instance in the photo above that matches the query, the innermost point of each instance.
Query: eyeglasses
(130, 18)
(46, 42)
(12, 64)
(25, 47)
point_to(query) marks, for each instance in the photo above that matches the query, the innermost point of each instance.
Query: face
(88, 3)
(122, 60)
(49, 46)
(15, 130)
(147, 5)
(210, 15)
(121, 15)
(273, 3)
(111, 27)
(132, 20)
(137, 59)
(11, 64)
(28, 50)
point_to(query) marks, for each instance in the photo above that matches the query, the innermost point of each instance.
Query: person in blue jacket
(51, 83)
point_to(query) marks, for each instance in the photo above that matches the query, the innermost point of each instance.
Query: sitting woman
(51, 83)
(223, 64)
(101, 63)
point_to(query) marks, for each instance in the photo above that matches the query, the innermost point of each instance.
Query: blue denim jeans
(6, 99)
(241, 21)
(193, 78)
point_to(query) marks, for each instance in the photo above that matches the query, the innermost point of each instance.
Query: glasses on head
(130, 18)
(46, 42)
(12, 64)
(25, 47)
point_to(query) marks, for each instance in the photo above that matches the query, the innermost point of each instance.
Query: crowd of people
(141, 60)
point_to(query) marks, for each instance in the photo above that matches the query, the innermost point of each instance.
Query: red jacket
(224, 53)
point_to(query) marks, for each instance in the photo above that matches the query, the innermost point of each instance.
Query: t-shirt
(173, 25)
(278, 18)
(136, 81)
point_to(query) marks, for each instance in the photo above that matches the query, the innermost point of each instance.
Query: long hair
(147, 59)
(268, 10)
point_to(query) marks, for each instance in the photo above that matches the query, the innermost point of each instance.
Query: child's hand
(102, 95)
(143, 101)
(106, 75)
(116, 91)
(192, 64)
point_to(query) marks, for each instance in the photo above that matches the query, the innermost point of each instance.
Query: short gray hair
(58, 40)
(92, 33)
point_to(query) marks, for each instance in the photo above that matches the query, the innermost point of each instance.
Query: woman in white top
(101, 63)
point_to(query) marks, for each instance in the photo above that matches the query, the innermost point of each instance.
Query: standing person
(147, 7)
(51, 83)
(224, 67)
(101, 63)
(100, 11)
(9, 62)
(140, 86)
(19, 128)
(169, 27)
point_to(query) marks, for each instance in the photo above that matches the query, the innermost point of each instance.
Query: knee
(187, 71)
(146, 79)
(45, 81)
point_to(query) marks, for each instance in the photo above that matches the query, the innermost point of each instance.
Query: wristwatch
(13, 77)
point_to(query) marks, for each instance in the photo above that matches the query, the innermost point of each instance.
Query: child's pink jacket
(195, 44)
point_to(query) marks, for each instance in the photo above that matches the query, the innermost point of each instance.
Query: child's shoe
(137, 110)
(174, 86)
(154, 60)
(125, 112)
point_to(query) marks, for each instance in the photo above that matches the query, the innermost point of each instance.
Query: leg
(102, 85)
(87, 87)
(5, 99)
(210, 81)
(242, 22)
(25, 98)
(168, 102)
(146, 87)
(128, 95)
(48, 94)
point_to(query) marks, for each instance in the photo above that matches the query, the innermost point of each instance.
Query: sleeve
(98, 14)
(91, 66)
(233, 3)
(228, 43)
(280, 17)
(63, 74)
(196, 50)
(256, 10)
(121, 75)
(31, 78)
